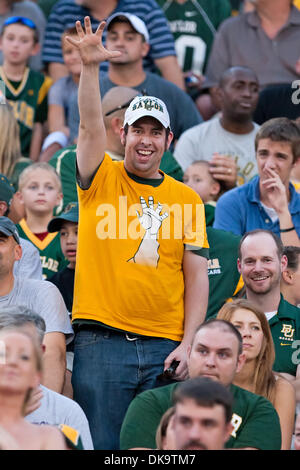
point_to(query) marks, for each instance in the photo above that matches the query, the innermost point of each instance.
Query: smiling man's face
(260, 264)
(145, 143)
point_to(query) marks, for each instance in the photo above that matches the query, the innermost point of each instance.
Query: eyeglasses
(121, 106)
(20, 20)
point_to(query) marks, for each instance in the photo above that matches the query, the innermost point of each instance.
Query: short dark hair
(292, 253)
(205, 392)
(228, 73)
(281, 129)
(275, 237)
(225, 326)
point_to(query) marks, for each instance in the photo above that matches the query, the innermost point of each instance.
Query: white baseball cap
(134, 20)
(151, 106)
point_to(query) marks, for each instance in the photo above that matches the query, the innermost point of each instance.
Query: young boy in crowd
(198, 177)
(59, 97)
(25, 89)
(40, 191)
(67, 225)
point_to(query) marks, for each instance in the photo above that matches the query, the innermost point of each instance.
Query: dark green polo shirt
(223, 274)
(285, 328)
(254, 419)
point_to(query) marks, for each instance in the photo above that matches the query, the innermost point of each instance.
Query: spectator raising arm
(92, 136)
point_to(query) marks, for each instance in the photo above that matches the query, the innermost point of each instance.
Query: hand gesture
(89, 44)
(274, 191)
(224, 168)
(151, 219)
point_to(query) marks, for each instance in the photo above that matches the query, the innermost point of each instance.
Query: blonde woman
(257, 375)
(20, 372)
(11, 160)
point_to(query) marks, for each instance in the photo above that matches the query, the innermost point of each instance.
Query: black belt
(93, 326)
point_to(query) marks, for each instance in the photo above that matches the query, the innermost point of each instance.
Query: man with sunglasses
(141, 283)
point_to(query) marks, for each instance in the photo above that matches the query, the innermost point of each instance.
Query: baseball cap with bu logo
(142, 106)
(8, 228)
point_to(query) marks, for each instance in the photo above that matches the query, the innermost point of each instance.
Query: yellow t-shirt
(297, 3)
(131, 242)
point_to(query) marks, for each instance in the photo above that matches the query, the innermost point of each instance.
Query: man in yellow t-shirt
(141, 284)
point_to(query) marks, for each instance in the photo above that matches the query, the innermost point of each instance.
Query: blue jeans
(110, 368)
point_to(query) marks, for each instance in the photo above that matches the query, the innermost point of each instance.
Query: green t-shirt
(254, 419)
(19, 167)
(223, 275)
(194, 24)
(52, 258)
(209, 214)
(29, 101)
(285, 329)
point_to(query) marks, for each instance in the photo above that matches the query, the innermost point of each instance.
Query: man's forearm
(195, 296)
(195, 310)
(89, 100)
(289, 238)
(54, 365)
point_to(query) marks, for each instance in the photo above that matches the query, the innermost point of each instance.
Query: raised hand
(90, 44)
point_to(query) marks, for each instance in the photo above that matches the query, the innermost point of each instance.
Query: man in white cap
(141, 282)
(128, 34)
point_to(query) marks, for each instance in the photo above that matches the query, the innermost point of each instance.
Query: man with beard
(227, 142)
(269, 201)
(261, 262)
(202, 417)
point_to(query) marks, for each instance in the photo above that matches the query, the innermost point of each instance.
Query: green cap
(6, 190)
(70, 214)
(8, 228)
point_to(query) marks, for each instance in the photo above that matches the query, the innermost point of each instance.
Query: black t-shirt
(277, 101)
(64, 281)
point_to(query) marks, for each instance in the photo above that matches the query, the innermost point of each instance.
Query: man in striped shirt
(162, 53)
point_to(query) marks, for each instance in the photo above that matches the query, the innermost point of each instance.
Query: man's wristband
(282, 230)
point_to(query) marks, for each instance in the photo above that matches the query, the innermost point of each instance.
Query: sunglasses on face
(121, 106)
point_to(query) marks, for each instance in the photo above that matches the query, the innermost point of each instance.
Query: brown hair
(162, 428)
(264, 378)
(256, 231)
(281, 130)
